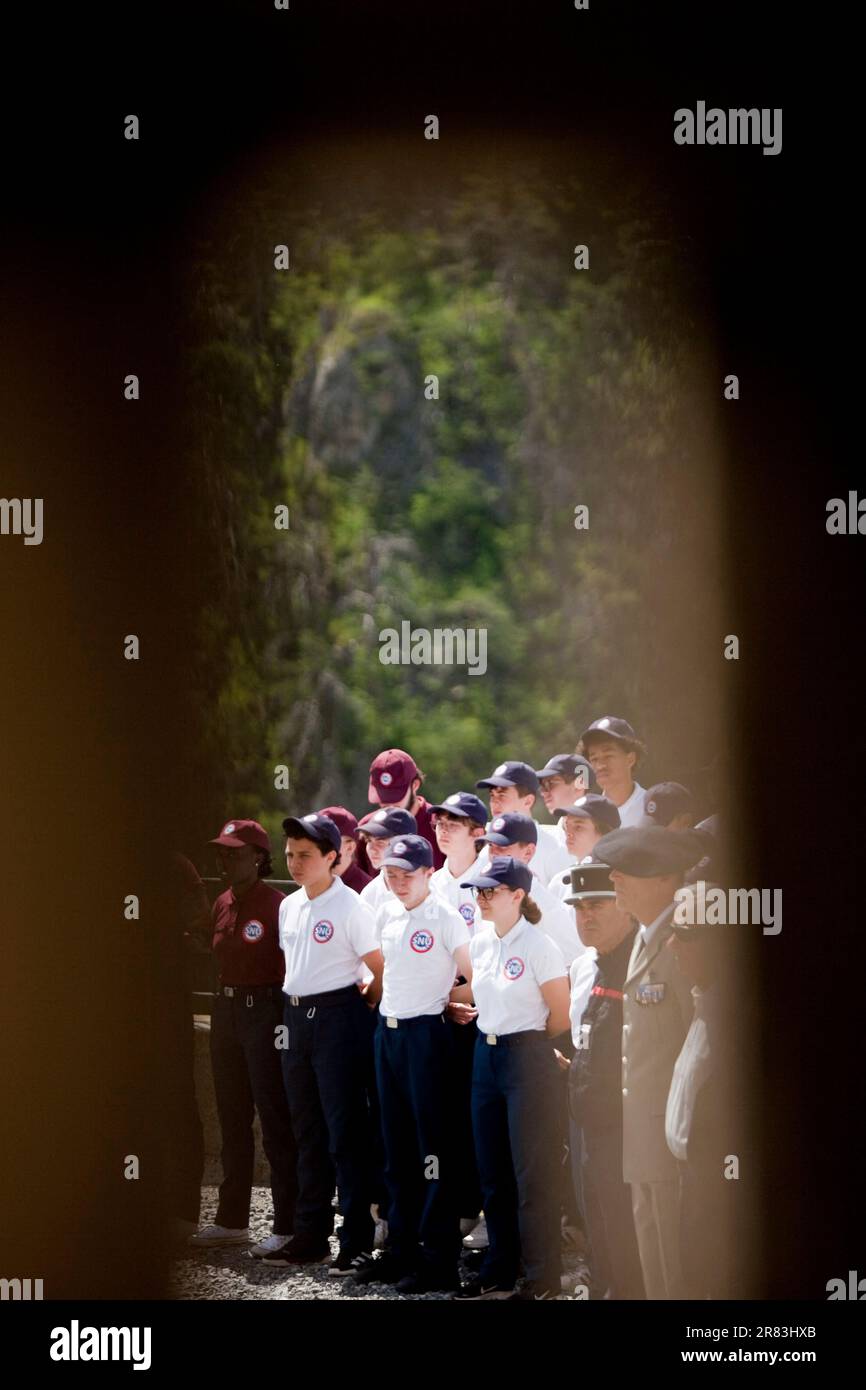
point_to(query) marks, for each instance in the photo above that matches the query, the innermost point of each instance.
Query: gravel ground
(228, 1272)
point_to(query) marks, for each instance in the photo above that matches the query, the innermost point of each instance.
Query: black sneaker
(535, 1291)
(299, 1251)
(428, 1279)
(345, 1263)
(384, 1270)
(475, 1288)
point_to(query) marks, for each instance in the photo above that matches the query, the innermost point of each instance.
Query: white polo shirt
(507, 975)
(375, 893)
(550, 854)
(323, 940)
(582, 977)
(631, 812)
(557, 921)
(447, 887)
(418, 946)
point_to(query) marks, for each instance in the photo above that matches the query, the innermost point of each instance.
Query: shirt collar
(328, 894)
(512, 936)
(650, 933)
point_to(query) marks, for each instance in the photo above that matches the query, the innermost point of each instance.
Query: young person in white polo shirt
(326, 933)
(515, 834)
(564, 778)
(425, 945)
(520, 990)
(614, 750)
(459, 825)
(584, 823)
(513, 786)
(379, 830)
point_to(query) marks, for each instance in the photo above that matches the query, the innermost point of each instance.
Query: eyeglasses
(486, 893)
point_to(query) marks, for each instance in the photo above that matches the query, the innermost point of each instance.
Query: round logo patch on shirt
(513, 968)
(421, 940)
(385, 778)
(467, 912)
(253, 931)
(323, 931)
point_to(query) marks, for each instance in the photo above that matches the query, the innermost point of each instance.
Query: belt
(230, 991)
(318, 1001)
(514, 1039)
(391, 1022)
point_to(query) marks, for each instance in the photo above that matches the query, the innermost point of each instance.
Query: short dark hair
(523, 790)
(321, 846)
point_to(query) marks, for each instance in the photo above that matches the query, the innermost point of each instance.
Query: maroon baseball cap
(391, 775)
(345, 822)
(237, 833)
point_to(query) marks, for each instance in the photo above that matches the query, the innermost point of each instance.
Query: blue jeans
(326, 1068)
(514, 1119)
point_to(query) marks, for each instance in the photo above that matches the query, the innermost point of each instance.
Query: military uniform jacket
(657, 1011)
(594, 1076)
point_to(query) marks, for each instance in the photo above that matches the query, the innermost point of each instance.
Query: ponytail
(530, 910)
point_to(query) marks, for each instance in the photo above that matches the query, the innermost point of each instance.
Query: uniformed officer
(513, 786)
(521, 996)
(348, 869)
(647, 868)
(595, 1093)
(246, 1066)
(585, 821)
(326, 933)
(703, 1125)
(614, 750)
(515, 834)
(380, 828)
(563, 780)
(395, 782)
(670, 805)
(425, 944)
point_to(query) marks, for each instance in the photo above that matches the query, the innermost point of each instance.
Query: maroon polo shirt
(355, 878)
(246, 937)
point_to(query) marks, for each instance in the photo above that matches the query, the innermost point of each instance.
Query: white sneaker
(268, 1246)
(477, 1239)
(219, 1235)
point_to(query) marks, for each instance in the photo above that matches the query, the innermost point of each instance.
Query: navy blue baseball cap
(649, 851)
(503, 872)
(384, 824)
(321, 829)
(511, 828)
(611, 727)
(409, 852)
(595, 808)
(511, 774)
(465, 805)
(569, 766)
(666, 800)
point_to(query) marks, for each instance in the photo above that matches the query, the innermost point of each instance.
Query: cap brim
(451, 811)
(579, 811)
(485, 882)
(496, 840)
(605, 733)
(496, 782)
(395, 788)
(306, 832)
(230, 842)
(551, 772)
(380, 834)
(596, 893)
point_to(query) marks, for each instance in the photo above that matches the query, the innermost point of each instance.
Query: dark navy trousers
(326, 1068)
(246, 1073)
(415, 1074)
(514, 1117)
